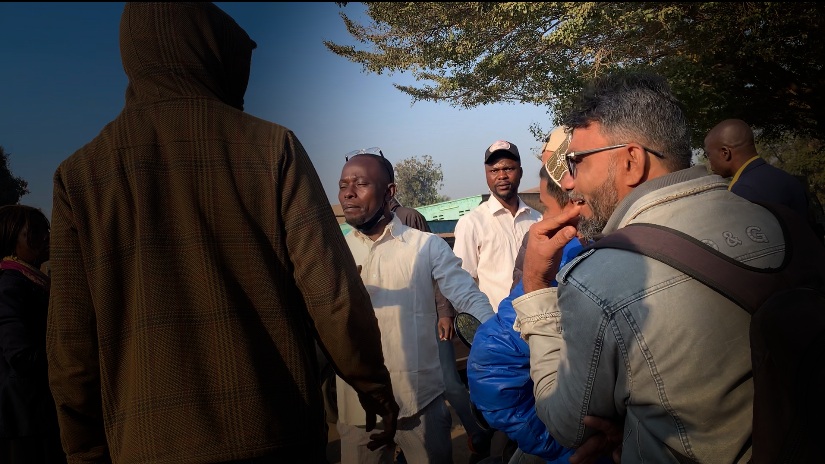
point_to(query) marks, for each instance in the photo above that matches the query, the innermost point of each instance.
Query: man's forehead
(362, 167)
(501, 162)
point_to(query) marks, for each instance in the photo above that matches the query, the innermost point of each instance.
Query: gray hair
(636, 107)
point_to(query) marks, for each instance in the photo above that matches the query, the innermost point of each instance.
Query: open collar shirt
(399, 270)
(487, 240)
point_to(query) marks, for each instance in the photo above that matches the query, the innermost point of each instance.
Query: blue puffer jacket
(498, 374)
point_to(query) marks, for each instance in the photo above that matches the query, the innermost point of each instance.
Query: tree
(418, 181)
(11, 188)
(759, 61)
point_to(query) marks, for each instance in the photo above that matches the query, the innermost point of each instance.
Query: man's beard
(602, 204)
(506, 196)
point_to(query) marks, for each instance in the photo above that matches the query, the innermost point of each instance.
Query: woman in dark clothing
(28, 421)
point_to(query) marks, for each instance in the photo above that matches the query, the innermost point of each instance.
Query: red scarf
(35, 275)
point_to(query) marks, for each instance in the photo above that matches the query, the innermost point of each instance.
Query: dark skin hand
(389, 418)
(446, 330)
(607, 442)
(546, 241)
(385, 437)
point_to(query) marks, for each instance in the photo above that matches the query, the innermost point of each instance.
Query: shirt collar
(496, 207)
(393, 230)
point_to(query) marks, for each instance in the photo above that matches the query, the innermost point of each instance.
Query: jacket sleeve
(498, 374)
(71, 340)
(335, 296)
(455, 283)
(568, 384)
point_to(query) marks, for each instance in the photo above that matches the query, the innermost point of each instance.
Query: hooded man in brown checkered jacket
(195, 259)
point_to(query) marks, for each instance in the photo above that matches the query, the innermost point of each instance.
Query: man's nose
(347, 192)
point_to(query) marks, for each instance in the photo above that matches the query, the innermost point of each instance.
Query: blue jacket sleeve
(498, 374)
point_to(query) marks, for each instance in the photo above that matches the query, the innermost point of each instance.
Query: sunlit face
(363, 189)
(503, 177)
(595, 181)
(551, 206)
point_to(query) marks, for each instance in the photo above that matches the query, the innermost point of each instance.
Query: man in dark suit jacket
(731, 151)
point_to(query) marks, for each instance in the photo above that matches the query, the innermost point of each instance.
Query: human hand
(606, 442)
(545, 244)
(385, 406)
(446, 330)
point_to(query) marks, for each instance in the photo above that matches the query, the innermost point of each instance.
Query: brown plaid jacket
(195, 257)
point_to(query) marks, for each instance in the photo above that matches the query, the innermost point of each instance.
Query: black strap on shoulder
(745, 285)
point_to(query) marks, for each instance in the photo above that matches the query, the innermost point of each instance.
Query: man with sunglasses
(625, 338)
(401, 267)
(488, 237)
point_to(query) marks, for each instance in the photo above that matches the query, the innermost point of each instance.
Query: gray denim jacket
(628, 338)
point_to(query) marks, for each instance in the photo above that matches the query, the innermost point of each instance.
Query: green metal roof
(446, 213)
(449, 210)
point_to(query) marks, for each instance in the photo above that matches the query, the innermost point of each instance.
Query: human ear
(635, 164)
(726, 154)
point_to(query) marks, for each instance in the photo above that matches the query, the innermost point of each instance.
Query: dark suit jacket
(760, 181)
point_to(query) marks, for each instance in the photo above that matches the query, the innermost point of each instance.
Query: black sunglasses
(574, 157)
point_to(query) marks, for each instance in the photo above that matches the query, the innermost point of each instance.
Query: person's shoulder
(408, 214)
(421, 237)
(523, 204)
(766, 175)
(475, 214)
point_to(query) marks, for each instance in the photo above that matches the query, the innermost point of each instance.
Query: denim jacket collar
(622, 213)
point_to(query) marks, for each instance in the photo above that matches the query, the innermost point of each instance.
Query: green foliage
(418, 181)
(758, 61)
(11, 188)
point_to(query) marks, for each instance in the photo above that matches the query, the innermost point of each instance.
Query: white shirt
(399, 270)
(487, 240)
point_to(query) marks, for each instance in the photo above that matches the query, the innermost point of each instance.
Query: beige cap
(557, 144)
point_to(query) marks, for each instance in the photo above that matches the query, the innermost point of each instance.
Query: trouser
(424, 438)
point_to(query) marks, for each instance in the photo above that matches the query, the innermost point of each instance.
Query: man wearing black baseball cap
(487, 238)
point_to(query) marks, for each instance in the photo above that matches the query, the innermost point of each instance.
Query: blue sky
(63, 80)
